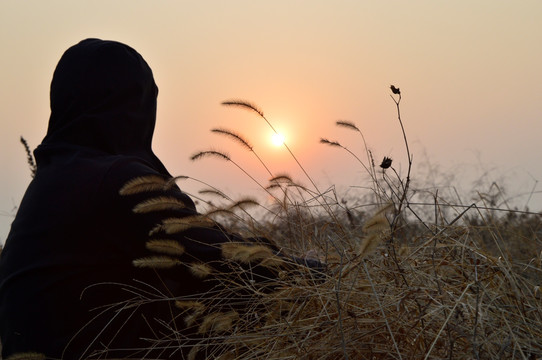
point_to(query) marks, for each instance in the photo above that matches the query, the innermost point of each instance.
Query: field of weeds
(400, 275)
(406, 276)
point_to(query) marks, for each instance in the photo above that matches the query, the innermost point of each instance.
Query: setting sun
(277, 139)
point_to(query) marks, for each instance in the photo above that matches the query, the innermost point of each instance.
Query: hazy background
(470, 73)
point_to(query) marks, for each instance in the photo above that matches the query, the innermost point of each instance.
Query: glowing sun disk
(277, 139)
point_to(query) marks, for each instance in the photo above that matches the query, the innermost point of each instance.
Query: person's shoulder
(132, 178)
(122, 169)
(127, 167)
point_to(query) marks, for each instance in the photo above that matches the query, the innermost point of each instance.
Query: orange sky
(469, 72)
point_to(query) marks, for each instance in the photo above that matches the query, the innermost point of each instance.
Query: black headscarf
(103, 97)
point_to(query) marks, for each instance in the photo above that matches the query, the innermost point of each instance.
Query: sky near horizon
(469, 73)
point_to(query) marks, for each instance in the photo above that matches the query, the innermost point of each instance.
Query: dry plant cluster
(395, 282)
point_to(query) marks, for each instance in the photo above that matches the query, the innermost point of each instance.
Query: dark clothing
(73, 231)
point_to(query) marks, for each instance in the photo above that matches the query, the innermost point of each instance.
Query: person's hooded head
(103, 98)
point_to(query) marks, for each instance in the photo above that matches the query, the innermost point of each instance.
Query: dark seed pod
(386, 163)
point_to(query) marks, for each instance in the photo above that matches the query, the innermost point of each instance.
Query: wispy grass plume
(27, 356)
(29, 157)
(159, 204)
(200, 270)
(177, 225)
(210, 153)
(348, 125)
(156, 262)
(143, 184)
(238, 138)
(165, 246)
(243, 104)
(245, 253)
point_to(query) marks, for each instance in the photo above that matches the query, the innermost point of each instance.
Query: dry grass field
(407, 276)
(399, 280)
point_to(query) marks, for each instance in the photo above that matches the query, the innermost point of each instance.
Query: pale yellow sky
(469, 72)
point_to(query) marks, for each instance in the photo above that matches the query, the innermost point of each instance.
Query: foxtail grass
(29, 157)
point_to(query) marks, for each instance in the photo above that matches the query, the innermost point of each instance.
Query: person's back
(66, 237)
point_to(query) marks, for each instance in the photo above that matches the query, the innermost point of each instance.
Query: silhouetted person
(74, 231)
